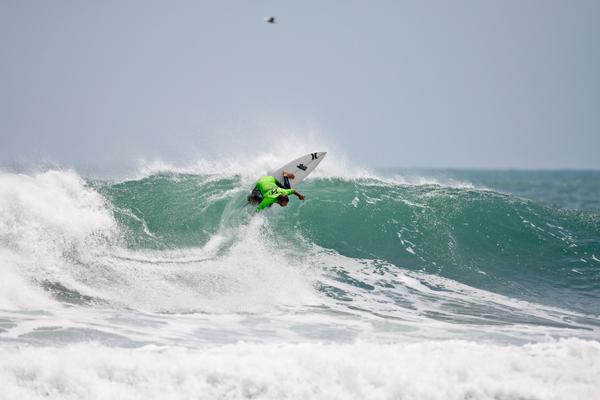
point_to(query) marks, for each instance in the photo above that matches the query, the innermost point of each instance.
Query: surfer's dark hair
(283, 198)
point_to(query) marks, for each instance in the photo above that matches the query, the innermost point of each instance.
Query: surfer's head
(283, 200)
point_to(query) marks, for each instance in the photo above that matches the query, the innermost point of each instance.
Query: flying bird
(270, 20)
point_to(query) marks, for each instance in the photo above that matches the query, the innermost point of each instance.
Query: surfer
(269, 191)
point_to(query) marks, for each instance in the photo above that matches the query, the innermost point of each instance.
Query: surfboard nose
(300, 167)
(318, 155)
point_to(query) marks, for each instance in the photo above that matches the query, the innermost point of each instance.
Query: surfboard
(301, 167)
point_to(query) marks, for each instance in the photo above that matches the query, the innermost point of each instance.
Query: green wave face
(481, 238)
(170, 211)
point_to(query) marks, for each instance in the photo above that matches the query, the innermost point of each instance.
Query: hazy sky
(389, 83)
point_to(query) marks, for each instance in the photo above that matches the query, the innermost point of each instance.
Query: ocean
(384, 284)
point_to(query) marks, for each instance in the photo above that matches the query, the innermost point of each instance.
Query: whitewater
(386, 284)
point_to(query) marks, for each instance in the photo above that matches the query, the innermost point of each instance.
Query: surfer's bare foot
(288, 175)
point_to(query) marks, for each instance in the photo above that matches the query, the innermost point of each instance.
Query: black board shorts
(255, 197)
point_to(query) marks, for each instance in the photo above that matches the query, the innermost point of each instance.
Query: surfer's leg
(286, 183)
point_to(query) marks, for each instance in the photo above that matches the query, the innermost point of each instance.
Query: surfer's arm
(298, 194)
(289, 192)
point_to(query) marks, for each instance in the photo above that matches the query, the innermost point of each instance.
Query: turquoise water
(514, 240)
(377, 277)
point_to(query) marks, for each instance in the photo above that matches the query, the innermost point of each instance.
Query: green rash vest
(270, 191)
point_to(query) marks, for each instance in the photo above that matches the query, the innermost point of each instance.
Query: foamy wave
(49, 207)
(44, 219)
(250, 277)
(57, 232)
(567, 369)
(15, 291)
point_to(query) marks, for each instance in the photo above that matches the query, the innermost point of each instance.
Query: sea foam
(444, 370)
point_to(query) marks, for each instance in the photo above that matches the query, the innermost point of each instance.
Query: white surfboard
(300, 167)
